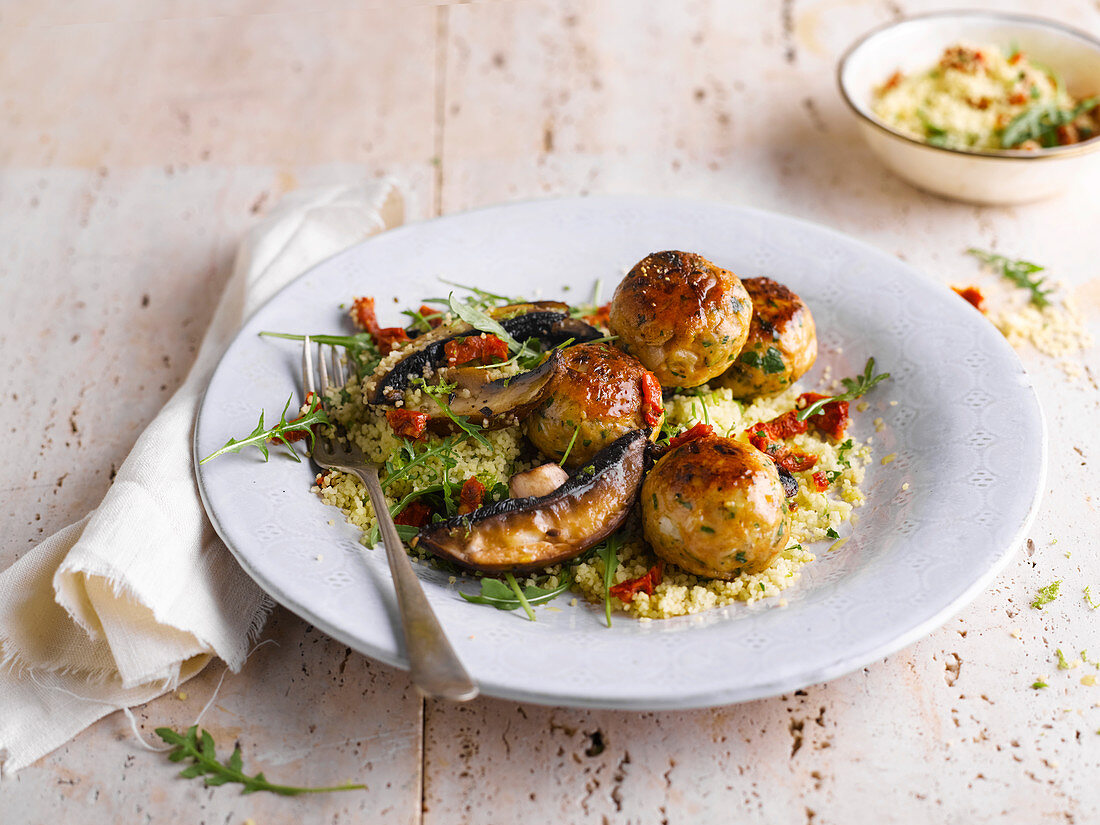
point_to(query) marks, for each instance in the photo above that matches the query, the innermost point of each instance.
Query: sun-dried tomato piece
(416, 514)
(388, 338)
(307, 408)
(652, 405)
(433, 316)
(364, 317)
(470, 496)
(479, 349)
(832, 419)
(363, 314)
(696, 432)
(625, 591)
(972, 295)
(821, 482)
(407, 423)
(794, 462)
(600, 318)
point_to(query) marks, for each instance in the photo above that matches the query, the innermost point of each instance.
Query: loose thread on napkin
(129, 713)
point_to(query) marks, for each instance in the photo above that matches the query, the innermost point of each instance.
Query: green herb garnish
(496, 593)
(1046, 595)
(831, 533)
(1088, 599)
(412, 454)
(608, 552)
(479, 320)
(1018, 272)
(1062, 663)
(363, 354)
(569, 449)
(259, 437)
(437, 393)
(854, 388)
(199, 747)
(1037, 685)
(1041, 122)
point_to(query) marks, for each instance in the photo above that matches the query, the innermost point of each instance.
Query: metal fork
(435, 668)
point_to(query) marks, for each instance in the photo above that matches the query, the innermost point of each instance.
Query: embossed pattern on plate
(967, 433)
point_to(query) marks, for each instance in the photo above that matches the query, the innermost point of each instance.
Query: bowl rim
(1046, 153)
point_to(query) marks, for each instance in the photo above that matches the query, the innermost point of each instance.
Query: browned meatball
(599, 395)
(681, 316)
(716, 508)
(782, 342)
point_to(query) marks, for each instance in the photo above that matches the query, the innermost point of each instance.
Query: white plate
(967, 433)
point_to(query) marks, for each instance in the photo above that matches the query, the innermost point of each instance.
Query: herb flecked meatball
(716, 508)
(782, 342)
(599, 394)
(680, 315)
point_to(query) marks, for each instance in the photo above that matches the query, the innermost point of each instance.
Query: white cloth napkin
(140, 594)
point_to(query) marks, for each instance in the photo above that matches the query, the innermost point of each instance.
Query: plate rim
(838, 665)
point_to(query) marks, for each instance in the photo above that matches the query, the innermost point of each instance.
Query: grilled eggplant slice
(546, 321)
(518, 535)
(496, 404)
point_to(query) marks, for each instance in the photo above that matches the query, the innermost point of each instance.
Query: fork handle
(434, 666)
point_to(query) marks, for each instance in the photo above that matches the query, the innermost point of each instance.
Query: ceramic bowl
(988, 177)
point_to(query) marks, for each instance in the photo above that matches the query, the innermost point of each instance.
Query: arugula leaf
(1041, 121)
(481, 321)
(1018, 272)
(497, 594)
(201, 750)
(569, 449)
(854, 388)
(771, 362)
(363, 354)
(482, 299)
(463, 422)
(259, 437)
(520, 596)
(412, 455)
(933, 134)
(1046, 595)
(609, 554)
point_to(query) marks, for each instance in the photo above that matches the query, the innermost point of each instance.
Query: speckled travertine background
(137, 141)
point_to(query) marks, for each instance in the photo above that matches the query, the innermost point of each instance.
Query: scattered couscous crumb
(182, 695)
(862, 406)
(905, 486)
(1088, 680)
(886, 459)
(331, 523)
(319, 557)
(452, 579)
(893, 403)
(1015, 634)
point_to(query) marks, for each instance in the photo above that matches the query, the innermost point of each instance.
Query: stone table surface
(139, 140)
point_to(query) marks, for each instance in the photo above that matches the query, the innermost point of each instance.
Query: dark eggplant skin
(547, 321)
(790, 483)
(519, 535)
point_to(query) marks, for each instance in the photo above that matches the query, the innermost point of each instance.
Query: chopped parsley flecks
(771, 362)
(1046, 595)
(1088, 599)
(1038, 685)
